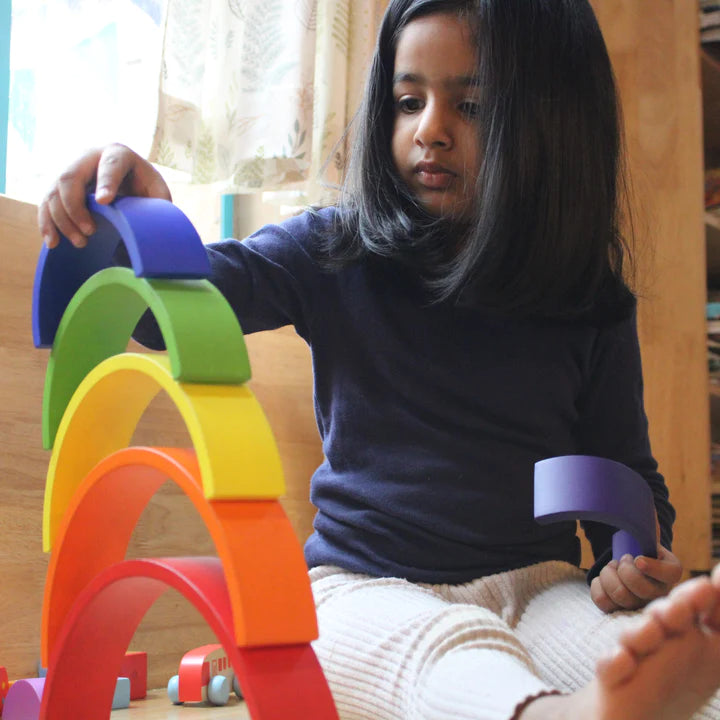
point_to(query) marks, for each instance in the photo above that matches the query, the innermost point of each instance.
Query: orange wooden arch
(267, 579)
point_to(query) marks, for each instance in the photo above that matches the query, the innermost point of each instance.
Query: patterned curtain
(258, 94)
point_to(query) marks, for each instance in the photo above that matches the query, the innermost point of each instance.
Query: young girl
(468, 317)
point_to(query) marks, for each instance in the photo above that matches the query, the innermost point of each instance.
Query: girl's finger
(122, 170)
(616, 589)
(115, 164)
(638, 583)
(53, 219)
(47, 227)
(71, 189)
(600, 597)
(666, 568)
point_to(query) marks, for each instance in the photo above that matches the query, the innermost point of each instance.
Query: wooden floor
(157, 706)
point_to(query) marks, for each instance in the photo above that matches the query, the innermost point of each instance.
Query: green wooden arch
(201, 332)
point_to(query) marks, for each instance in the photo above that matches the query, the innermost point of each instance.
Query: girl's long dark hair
(545, 237)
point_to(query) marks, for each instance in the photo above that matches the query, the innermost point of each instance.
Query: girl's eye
(408, 105)
(470, 109)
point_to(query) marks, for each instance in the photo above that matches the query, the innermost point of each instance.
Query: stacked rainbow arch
(255, 594)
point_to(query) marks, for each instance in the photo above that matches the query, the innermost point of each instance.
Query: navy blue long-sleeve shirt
(432, 416)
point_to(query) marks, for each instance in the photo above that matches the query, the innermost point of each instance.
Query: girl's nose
(433, 129)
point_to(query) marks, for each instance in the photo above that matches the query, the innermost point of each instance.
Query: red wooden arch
(278, 682)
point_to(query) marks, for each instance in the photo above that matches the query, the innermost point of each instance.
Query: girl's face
(435, 144)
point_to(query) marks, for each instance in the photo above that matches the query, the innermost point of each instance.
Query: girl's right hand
(113, 170)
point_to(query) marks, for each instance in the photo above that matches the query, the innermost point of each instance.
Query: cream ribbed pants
(395, 650)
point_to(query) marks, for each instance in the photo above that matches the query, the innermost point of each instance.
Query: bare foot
(665, 668)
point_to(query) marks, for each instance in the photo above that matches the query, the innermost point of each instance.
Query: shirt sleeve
(269, 279)
(613, 424)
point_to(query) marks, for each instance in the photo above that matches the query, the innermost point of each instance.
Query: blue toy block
(121, 697)
(160, 241)
(583, 487)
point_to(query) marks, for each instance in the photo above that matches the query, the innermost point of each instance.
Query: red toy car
(205, 675)
(4, 687)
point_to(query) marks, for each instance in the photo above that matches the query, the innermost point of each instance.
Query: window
(82, 73)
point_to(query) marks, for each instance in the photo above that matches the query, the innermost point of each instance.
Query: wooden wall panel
(23, 462)
(654, 49)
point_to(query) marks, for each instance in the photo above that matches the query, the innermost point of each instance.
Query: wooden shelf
(712, 249)
(712, 220)
(711, 53)
(710, 65)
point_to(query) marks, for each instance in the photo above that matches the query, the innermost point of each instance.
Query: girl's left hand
(632, 583)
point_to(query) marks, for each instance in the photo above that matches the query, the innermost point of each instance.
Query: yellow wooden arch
(235, 448)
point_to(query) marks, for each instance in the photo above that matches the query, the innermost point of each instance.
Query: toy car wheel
(218, 690)
(174, 690)
(236, 687)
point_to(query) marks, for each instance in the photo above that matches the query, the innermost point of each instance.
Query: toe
(676, 615)
(616, 668)
(645, 637)
(699, 592)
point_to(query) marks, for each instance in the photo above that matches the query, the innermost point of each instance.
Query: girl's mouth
(433, 176)
(435, 180)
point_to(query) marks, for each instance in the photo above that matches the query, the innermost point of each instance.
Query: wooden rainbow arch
(255, 594)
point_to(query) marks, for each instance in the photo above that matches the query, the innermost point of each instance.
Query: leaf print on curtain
(346, 31)
(257, 94)
(262, 59)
